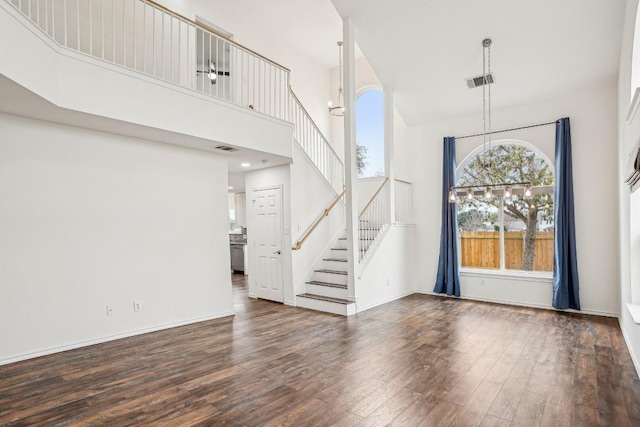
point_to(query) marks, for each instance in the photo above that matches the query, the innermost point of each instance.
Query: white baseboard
(634, 357)
(385, 301)
(86, 343)
(522, 304)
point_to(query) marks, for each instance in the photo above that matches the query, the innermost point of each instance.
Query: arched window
(370, 134)
(502, 232)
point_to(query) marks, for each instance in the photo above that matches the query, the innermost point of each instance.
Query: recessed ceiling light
(245, 165)
(229, 188)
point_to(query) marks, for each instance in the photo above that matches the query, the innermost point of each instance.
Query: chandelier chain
(489, 91)
(340, 62)
(484, 108)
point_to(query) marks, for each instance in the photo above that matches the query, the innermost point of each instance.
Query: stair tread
(324, 270)
(335, 259)
(328, 299)
(332, 285)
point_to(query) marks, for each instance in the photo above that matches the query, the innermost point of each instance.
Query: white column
(350, 170)
(388, 150)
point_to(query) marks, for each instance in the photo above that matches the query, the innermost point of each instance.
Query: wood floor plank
(421, 360)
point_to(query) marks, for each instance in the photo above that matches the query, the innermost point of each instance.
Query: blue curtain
(448, 278)
(565, 263)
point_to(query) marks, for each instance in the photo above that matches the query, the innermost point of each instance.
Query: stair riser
(338, 253)
(340, 279)
(342, 244)
(326, 306)
(334, 265)
(327, 291)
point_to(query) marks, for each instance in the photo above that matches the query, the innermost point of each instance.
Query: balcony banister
(202, 27)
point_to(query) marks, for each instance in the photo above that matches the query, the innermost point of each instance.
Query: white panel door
(268, 244)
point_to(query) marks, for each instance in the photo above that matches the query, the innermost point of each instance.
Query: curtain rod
(506, 130)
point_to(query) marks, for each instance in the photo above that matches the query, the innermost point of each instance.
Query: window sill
(634, 310)
(506, 274)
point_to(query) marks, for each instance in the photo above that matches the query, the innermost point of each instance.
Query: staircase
(327, 289)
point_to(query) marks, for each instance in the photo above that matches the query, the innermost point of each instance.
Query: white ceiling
(425, 49)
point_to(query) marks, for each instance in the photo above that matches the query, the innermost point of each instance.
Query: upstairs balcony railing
(146, 37)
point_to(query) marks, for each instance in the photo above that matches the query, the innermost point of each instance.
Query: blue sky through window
(370, 130)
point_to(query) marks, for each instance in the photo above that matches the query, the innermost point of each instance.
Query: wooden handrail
(324, 214)
(402, 181)
(373, 197)
(202, 27)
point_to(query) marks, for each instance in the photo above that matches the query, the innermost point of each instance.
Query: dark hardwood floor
(419, 361)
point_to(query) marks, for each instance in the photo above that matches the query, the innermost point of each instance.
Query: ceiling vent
(479, 80)
(226, 148)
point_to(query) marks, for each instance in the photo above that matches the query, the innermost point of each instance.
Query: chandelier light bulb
(469, 194)
(488, 194)
(507, 193)
(527, 191)
(452, 196)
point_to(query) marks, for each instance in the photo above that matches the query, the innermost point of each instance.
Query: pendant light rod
(338, 110)
(507, 130)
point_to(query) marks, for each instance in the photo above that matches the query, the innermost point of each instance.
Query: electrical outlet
(137, 306)
(110, 311)
(481, 282)
(388, 282)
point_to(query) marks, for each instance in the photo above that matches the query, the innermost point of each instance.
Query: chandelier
(507, 189)
(338, 110)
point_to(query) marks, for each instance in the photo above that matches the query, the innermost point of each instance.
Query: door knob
(277, 252)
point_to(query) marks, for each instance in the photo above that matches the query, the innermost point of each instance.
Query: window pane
(479, 225)
(529, 229)
(370, 134)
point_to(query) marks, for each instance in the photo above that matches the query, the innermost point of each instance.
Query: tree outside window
(507, 234)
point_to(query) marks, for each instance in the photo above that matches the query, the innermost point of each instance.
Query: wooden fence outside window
(481, 249)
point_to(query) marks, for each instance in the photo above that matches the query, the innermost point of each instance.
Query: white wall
(310, 196)
(91, 219)
(593, 117)
(389, 273)
(270, 177)
(629, 206)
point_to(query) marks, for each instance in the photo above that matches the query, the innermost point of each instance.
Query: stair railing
(316, 146)
(317, 222)
(146, 37)
(373, 219)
